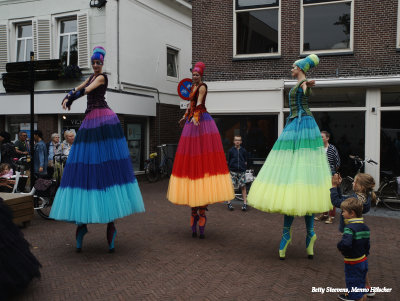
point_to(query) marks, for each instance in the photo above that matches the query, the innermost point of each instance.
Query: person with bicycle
(363, 187)
(334, 164)
(237, 163)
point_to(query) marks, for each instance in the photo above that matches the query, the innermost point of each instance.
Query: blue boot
(286, 236)
(311, 236)
(80, 233)
(111, 234)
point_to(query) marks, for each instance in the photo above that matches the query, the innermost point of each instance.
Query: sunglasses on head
(97, 63)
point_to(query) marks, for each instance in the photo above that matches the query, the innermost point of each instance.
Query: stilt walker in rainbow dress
(295, 179)
(200, 175)
(98, 184)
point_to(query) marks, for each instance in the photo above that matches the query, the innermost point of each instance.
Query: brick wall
(375, 29)
(170, 131)
(48, 124)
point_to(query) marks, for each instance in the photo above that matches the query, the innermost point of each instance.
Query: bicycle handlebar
(357, 158)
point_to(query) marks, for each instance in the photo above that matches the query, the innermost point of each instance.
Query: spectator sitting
(6, 171)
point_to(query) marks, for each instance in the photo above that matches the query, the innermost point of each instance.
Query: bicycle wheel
(347, 186)
(388, 195)
(43, 206)
(152, 172)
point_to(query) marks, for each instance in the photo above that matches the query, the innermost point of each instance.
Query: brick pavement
(157, 259)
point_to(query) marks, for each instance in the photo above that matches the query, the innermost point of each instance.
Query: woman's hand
(310, 83)
(64, 104)
(182, 122)
(195, 122)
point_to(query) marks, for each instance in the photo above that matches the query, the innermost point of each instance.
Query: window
(256, 28)
(333, 97)
(172, 62)
(259, 134)
(68, 41)
(390, 97)
(24, 42)
(327, 26)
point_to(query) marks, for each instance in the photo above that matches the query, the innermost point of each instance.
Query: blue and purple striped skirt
(98, 184)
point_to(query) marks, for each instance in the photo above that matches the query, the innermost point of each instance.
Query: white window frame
(327, 51)
(17, 25)
(256, 55)
(13, 35)
(177, 50)
(58, 20)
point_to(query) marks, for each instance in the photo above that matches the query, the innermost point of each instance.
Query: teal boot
(286, 236)
(311, 236)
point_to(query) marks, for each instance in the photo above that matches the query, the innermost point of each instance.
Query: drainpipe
(118, 61)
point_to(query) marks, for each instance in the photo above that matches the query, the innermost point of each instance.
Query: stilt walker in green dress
(295, 178)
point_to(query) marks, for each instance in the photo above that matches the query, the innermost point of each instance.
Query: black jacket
(237, 159)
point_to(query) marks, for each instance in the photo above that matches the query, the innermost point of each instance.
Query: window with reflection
(24, 42)
(333, 97)
(172, 62)
(390, 143)
(68, 41)
(327, 25)
(347, 134)
(390, 97)
(258, 133)
(257, 27)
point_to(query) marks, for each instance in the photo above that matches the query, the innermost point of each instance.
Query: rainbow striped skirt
(200, 175)
(98, 184)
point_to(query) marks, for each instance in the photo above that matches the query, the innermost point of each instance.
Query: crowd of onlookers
(49, 158)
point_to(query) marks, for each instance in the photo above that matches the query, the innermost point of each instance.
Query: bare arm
(82, 85)
(100, 80)
(202, 92)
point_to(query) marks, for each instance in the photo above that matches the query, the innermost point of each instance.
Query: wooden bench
(20, 205)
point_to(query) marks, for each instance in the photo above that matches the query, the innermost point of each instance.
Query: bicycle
(347, 183)
(43, 191)
(389, 191)
(154, 170)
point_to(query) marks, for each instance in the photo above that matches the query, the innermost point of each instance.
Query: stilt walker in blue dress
(98, 184)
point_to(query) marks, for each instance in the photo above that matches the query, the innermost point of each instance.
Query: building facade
(148, 44)
(249, 48)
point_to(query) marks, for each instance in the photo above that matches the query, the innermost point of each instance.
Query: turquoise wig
(98, 54)
(307, 63)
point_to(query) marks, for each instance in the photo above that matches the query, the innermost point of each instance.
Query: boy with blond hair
(355, 248)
